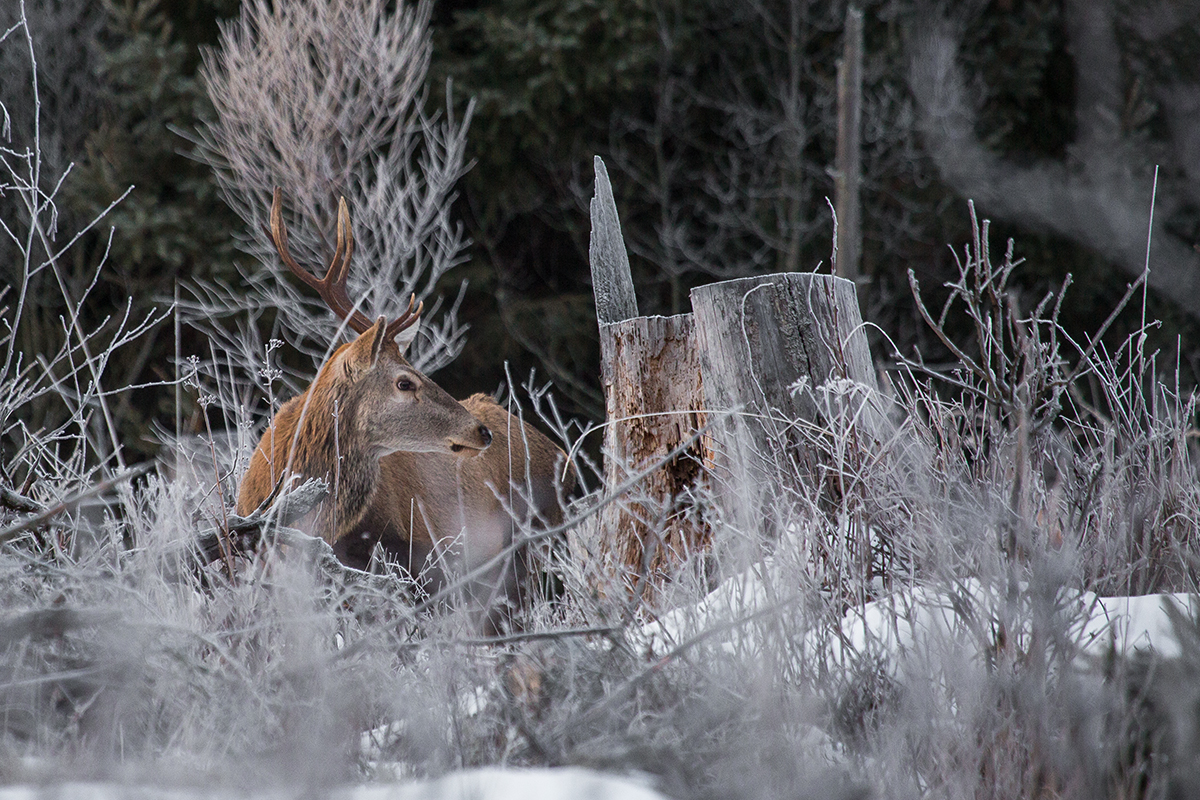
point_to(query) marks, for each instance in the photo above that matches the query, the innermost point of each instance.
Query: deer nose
(485, 435)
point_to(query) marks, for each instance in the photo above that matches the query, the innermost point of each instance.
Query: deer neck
(330, 447)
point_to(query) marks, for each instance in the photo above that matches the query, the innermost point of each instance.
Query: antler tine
(340, 266)
(332, 287)
(334, 283)
(279, 237)
(407, 319)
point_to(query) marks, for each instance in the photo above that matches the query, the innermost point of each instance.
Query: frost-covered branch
(1100, 196)
(324, 100)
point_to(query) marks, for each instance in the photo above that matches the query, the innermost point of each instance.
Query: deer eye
(406, 385)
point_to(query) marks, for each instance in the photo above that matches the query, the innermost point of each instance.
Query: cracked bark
(759, 339)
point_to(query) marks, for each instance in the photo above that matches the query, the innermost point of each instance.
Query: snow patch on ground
(491, 783)
(1135, 623)
(899, 623)
(905, 621)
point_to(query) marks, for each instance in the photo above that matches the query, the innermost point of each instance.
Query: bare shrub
(55, 418)
(325, 100)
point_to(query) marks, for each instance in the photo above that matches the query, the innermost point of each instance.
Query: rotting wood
(653, 398)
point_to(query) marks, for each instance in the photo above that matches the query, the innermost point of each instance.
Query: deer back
(463, 511)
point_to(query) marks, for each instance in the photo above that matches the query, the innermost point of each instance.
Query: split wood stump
(654, 451)
(704, 406)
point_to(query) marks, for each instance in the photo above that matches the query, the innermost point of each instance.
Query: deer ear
(363, 352)
(407, 336)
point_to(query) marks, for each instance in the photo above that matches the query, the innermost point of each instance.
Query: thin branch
(19, 502)
(48, 514)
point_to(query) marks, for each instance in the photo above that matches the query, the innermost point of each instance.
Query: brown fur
(415, 503)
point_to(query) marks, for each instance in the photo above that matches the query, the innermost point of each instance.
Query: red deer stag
(408, 466)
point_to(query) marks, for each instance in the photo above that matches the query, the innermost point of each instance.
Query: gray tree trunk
(767, 347)
(848, 175)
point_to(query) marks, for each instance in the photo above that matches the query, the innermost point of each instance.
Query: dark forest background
(717, 120)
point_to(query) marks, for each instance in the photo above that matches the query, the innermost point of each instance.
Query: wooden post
(848, 172)
(758, 337)
(653, 398)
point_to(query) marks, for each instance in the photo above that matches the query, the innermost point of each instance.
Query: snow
(490, 783)
(495, 783)
(1135, 623)
(905, 621)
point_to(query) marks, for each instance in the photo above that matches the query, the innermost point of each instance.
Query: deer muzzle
(472, 445)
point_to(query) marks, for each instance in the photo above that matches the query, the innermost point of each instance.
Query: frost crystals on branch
(323, 99)
(57, 431)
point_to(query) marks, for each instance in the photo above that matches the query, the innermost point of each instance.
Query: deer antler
(332, 287)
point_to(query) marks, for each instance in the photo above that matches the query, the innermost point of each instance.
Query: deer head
(383, 403)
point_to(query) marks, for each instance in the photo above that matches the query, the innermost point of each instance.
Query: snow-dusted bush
(327, 100)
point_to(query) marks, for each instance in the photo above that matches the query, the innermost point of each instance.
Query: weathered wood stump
(653, 453)
(653, 447)
(760, 359)
(612, 282)
(767, 344)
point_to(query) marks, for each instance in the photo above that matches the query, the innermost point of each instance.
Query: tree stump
(735, 365)
(653, 448)
(653, 454)
(766, 345)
